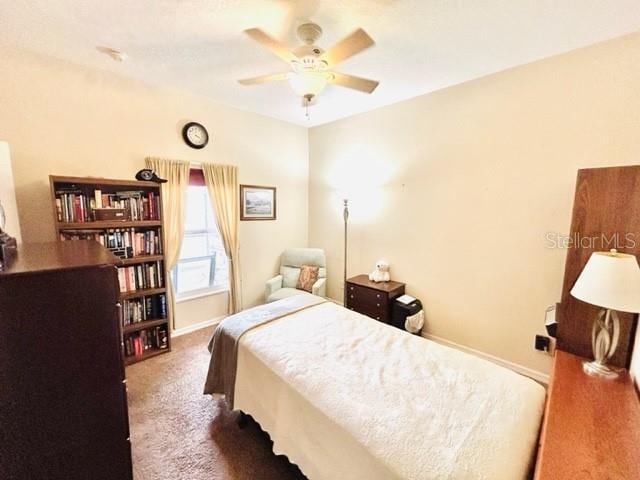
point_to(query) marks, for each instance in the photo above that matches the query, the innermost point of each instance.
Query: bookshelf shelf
(103, 224)
(143, 292)
(136, 327)
(140, 259)
(145, 356)
(88, 198)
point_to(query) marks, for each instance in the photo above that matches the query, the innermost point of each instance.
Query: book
(97, 195)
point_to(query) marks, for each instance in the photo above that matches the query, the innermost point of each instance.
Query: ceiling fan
(311, 66)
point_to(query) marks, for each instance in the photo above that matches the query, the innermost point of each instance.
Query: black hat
(148, 175)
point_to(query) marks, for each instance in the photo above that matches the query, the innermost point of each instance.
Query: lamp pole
(345, 216)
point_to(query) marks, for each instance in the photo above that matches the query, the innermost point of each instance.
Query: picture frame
(257, 202)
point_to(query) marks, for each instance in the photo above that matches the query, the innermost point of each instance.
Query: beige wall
(7, 193)
(456, 189)
(62, 119)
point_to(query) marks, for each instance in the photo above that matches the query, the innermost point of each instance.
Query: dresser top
(38, 257)
(591, 425)
(363, 280)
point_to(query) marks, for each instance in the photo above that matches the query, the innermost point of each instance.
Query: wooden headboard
(606, 214)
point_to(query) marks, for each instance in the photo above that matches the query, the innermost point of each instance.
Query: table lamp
(609, 280)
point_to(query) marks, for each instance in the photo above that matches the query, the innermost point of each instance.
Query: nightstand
(373, 299)
(591, 425)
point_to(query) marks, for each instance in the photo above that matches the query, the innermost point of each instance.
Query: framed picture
(257, 203)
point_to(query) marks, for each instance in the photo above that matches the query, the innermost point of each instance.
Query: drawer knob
(378, 295)
(377, 304)
(351, 296)
(351, 288)
(377, 318)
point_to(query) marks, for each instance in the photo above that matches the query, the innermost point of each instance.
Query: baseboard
(516, 367)
(196, 326)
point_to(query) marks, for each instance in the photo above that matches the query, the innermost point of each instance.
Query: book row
(124, 242)
(145, 308)
(76, 206)
(136, 344)
(138, 277)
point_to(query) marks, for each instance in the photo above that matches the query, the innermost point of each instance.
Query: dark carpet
(177, 433)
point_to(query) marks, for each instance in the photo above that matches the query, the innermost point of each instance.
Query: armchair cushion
(289, 276)
(285, 292)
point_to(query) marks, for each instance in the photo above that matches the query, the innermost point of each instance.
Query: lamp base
(596, 369)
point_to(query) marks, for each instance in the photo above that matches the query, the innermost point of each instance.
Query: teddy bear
(381, 272)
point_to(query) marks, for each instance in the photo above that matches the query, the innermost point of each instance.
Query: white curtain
(224, 191)
(176, 172)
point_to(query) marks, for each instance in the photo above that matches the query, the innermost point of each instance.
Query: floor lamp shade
(7, 192)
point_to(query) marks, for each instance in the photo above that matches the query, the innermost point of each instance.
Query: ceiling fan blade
(348, 47)
(356, 83)
(272, 44)
(263, 79)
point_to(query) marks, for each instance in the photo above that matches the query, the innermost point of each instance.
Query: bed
(346, 397)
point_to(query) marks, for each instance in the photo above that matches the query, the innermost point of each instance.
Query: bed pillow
(308, 276)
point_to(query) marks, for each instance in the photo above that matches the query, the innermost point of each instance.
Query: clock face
(146, 175)
(195, 135)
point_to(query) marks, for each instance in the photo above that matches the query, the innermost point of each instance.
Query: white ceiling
(422, 45)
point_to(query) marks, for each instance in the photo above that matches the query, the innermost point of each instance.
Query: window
(202, 266)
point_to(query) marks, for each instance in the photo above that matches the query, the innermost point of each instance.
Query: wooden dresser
(63, 401)
(591, 428)
(373, 299)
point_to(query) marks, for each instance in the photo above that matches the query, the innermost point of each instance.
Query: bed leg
(243, 421)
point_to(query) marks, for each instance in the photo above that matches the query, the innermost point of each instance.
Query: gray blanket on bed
(223, 345)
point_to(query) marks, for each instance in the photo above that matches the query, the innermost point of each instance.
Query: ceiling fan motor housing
(308, 53)
(309, 33)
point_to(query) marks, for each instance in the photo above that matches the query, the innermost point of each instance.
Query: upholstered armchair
(284, 284)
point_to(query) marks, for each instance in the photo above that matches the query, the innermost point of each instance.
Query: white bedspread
(346, 397)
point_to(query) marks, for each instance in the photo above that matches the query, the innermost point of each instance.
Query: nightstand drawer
(379, 314)
(366, 296)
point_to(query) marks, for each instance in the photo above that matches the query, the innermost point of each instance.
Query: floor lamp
(345, 216)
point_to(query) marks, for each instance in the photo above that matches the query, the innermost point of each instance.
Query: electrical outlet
(542, 343)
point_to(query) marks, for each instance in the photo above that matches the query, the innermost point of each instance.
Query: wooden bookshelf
(137, 239)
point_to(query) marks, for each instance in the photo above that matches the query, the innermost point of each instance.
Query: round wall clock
(195, 135)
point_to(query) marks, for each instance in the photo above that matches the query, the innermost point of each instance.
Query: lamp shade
(610, 280)
(7, 193)
(307, 83)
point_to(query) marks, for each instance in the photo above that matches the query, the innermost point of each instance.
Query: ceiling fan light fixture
(307, 83)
